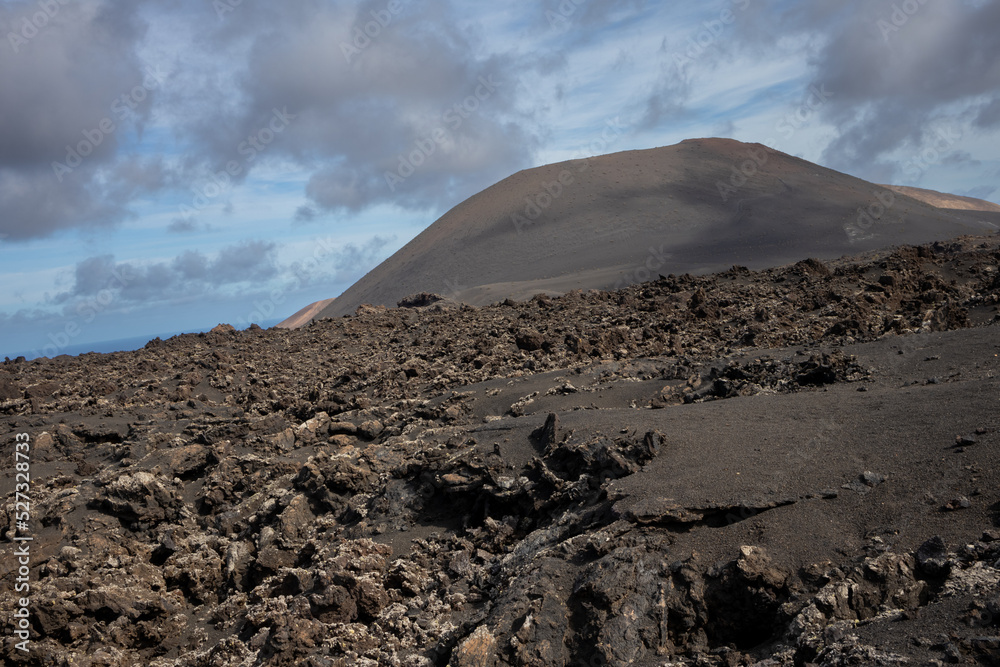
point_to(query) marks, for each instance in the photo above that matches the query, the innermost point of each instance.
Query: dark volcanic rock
(932, 558)
(9, 389)
(548, 434)
(455, 486)
(419, 300)
(42, 390)
(529, 340)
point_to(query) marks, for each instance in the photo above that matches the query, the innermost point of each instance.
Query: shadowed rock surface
(614, 220)
(790, 467)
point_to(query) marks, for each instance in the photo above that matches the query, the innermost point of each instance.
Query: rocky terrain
(788, 467)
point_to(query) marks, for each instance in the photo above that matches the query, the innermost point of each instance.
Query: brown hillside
(616, 219)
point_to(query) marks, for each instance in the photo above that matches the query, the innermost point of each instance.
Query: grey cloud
(960, 158)
(982, 191)
(70, 85)
(191, 265)
(708, 45)
(341, 265)
(597, 12)
(354, 261)
(898, 71)
(340, 187)
(145, 284)
(666, 99)
(361, 115)
(34, 204)
(181, 226)
(261, 83)
(73, 72)
(989, 115)
(115, 291)
(360, 122)
(192, 272)
(28, 317)
(134, 176)
(578, 16)
(725, 128)
(304, 214)
(248, 261)
(92, 275)
(663, 105)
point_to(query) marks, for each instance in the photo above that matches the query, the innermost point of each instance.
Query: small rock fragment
(871, 478)
(865, 482)
(960, 503)
(529, 340)
(932, 558)
(479, 650)
(548, 433)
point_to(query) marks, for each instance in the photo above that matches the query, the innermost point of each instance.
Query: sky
(167, 166)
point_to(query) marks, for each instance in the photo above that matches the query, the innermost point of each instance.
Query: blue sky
(167, 166)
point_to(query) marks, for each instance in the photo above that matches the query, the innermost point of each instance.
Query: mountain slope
(613, 220)
(944, 200)
(304, 315)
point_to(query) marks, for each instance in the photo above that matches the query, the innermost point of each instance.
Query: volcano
(700, 206)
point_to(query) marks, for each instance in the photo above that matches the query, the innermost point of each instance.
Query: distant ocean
(119, 345)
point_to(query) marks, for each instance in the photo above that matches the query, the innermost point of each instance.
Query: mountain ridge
(608, 221)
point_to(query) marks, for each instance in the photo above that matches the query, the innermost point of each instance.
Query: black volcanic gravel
(787, 467)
